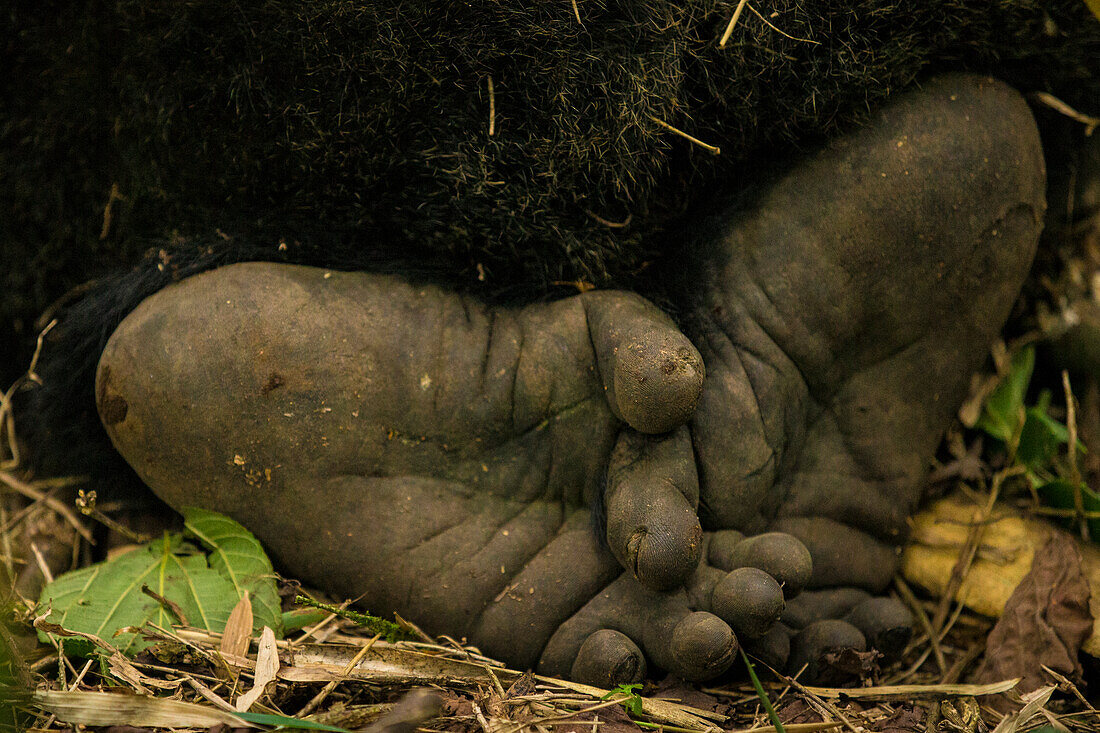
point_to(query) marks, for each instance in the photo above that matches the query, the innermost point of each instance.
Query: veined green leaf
(109, 596)
(238, 555)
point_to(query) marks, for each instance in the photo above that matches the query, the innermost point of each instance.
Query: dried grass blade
(105, 709)
(903, 692)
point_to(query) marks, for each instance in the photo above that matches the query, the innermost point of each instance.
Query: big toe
(652, 373)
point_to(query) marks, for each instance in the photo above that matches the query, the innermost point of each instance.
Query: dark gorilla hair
(505, 147)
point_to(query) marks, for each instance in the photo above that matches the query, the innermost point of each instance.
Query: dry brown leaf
(1045, 621)
(267, 669)
(238, 630)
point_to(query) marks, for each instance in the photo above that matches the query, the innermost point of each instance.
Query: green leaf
(1003, 412)
(1041, 438)
(299, 618)
(238, 555)
(108, 596)
(1060, 494)
(632, 702)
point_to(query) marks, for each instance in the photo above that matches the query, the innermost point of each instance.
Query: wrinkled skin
(440, 458)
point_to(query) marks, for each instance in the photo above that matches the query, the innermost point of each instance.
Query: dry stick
(557, 718)
(328, 688)
(788, 35)
(816, 701)
(1074, 472)
(577, 12)
(922, 618)
(22, 514)
(58, 506)
(7, 413)
(1090, 123)
(960, 664)
(86, 503)
(108, 211)
(80, 677)
(1064, 682)
(733, 21)
(41, 561)
(711, 148)
(970, 549)
(492, 108)
(481, 719)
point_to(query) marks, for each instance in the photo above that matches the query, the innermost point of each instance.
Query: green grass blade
(767, 703)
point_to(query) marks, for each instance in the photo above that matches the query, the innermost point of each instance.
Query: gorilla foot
(439, 457)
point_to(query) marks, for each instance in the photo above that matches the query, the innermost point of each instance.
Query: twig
(109, 210)
(1090, 122)
(60, 507)
(733, 21)
(577, 12)
(328, 688)
(608, 223)
(41, 561)
(817, 701)
(22, 514)
(492, 108)
(959, 665)
(1074, 473)
(970, 549)
(922, 618)
(711, 148)
(7, 411)
(788, 35)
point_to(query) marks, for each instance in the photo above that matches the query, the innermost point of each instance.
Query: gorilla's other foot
(439, 457)
(840, 320)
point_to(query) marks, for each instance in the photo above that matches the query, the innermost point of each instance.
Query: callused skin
(439, 458)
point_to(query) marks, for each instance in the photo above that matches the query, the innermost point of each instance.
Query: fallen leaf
(267, 669)
(238, 629)
(906, 719)
(1033, 705)
(1045, 621)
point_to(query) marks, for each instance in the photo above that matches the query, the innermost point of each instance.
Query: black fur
(355, 135)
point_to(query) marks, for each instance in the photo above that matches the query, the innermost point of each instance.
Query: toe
(886, 623)
(773, 648)
(700, 647)
(843, 555)
(607, 659)
(780, 555)
(652, 492)
(809, 647)
(693, 645)
(652, 374)
(749, 600)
